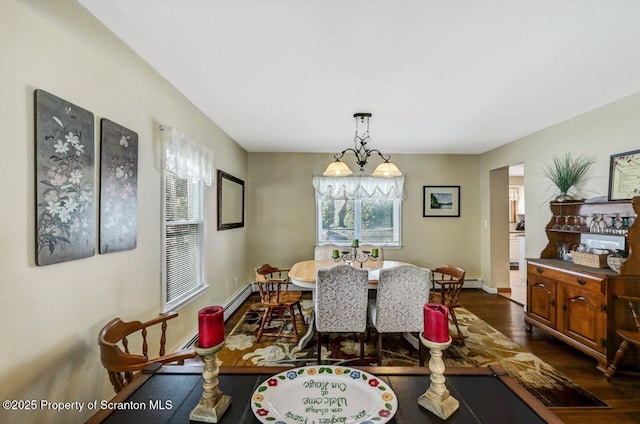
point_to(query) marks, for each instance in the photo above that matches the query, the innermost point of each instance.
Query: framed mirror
(230, 201)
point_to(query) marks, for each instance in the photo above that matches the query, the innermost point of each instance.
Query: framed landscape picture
(118, 187)
(65, 182)
(441, 201)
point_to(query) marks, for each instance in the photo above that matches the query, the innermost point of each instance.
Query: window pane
(377, 221)
(183, 260)
(183, 241)
(338, 220)
(182, 203)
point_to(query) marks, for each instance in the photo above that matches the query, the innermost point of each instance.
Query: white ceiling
(461, 76)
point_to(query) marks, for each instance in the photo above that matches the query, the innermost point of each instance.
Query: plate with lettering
(324, 394)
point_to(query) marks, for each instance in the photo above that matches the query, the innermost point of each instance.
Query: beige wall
(50, 315)
(281, 208)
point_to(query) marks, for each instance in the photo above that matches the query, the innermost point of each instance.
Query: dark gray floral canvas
(65, 181)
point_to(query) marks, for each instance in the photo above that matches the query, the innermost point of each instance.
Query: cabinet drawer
(585, 282)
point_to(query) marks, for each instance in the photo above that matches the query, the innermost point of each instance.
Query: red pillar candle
(210, 326)
(436, 322)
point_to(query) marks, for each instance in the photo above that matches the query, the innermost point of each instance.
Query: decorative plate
(324, 394)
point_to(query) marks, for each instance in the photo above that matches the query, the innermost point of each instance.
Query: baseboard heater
(472, 283)
(229, 308)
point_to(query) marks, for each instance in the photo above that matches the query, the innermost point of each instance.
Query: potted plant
(565, 171)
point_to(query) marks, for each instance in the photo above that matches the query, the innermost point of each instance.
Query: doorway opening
(517, 263)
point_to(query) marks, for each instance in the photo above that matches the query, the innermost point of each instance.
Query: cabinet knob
(539, 270)
(553, 302)
(582, 281)
(564, 307)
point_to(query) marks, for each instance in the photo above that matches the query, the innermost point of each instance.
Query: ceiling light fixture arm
(339, 169)
(360, 144)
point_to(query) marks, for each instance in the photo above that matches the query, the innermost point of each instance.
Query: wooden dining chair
(123, 365)
(629, 337)
(446, 285)
(279, 302)
(399, 303)
(341, 302)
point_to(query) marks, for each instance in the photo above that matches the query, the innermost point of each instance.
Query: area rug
(484, 345)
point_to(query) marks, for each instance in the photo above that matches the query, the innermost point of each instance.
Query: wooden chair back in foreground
(120, 363)
(273, 284)
(628, 336)
(446, 284)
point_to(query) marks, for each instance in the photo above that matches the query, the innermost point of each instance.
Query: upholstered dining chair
(279, 302)
(628, 336)
(324, 252)
(370, 247)
(398, 306)
(120, 363)
(446, 284)
(341, 302)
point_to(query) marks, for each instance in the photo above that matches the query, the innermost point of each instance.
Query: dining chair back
(447, 282)
(399, 303)
(340, 302)
(324, 252)
(629, 337)
(121, 364)
(279, 302)
(370, 247)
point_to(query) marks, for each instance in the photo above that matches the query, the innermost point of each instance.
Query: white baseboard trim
(229, 308)
(491, 290)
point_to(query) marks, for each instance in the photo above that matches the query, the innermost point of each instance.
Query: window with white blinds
(183, 241)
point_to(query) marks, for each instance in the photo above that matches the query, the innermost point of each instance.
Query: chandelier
(340, 169)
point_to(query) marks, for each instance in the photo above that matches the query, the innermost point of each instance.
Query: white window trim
(187, 298)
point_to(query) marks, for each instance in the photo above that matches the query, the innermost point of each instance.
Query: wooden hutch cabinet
(577, 303)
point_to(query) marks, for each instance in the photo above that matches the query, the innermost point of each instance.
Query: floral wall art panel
(65, 182)
(118, 188)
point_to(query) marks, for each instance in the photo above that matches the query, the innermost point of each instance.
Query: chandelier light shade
(340, 169)
(337, 169)
(387, 169)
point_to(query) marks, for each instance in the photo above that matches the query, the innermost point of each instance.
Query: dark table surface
(169, 394)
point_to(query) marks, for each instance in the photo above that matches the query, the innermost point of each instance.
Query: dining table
(167, 394)
(303, 274)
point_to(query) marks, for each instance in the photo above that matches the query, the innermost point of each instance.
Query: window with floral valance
(359, 207)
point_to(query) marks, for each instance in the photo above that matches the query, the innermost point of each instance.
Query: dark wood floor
(622, 394)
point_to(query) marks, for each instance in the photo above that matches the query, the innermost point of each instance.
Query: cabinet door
(581, 316)
(514, 248)
(541, 299)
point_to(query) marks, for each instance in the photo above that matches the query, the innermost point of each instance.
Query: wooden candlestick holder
(437, 399)
(213, 402)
